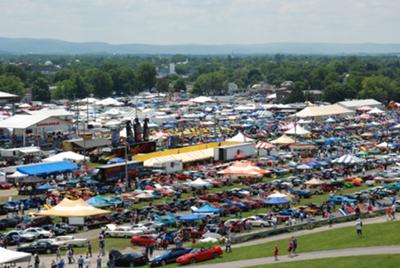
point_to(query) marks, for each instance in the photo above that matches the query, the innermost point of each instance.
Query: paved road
(307, 256)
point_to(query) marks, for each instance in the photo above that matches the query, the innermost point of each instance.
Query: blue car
(169, 256)
(338, 199)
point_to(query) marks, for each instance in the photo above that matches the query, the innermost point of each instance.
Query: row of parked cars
(175, 255)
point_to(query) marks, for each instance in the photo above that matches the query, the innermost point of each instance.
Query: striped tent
(347, 159)
(264, 145)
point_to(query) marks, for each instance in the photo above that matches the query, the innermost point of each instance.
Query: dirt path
(307, 256)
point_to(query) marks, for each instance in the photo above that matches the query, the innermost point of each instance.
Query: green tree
(146, 75)
(12, 84)
(101, 83)
(162, 85)
(180, 85)
(337, 92)
(379, 87)
(210, 84)
(40, 90)
(295, 95)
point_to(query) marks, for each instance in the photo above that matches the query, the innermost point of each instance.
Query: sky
(203, 21)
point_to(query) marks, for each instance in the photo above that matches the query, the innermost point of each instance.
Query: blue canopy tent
(44, 169)
(207, 209)
(115, 160)
(98, 201)
(45, 187)
(276, 201)
(191, 217)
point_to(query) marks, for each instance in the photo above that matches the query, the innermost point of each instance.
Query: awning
(47, 168)
(9, 256)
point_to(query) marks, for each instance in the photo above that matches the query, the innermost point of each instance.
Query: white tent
(330, 120)
(347, 159)
(68, 156)
(109, 102)
(240, 137)
(376, 111)
(17, 175)
(303, 167)
(199, 184)
(297, 130)
(10, 256)
(202, 99)
(278, 195)
(383, 145)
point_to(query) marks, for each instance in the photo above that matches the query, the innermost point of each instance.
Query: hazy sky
(203, 21)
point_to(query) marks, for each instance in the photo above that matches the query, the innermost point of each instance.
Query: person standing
(276, 253)
(359, 227)
(36, 260)
(228, 245)
(80, 262)
(394, 211)
(70, 256)
(98, 261)
(294, 246)
(89, 248)
(87, 262)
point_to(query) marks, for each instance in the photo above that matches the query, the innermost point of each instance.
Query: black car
(54, 229)
(127, 260)
(41, 247)
(68, 228)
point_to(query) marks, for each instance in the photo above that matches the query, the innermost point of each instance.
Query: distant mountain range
(52, 46)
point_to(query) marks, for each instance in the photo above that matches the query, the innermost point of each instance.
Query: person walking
(102, 246)
(290, 248)
(359, 227)
(80, 262)
(276, 253)
(89, 248)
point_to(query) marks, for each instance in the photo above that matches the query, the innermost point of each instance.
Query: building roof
(91, 143)
(23, 121)
(7, 96)
(324, 110)
(359, 103)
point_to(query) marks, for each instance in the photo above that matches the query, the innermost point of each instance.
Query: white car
(67, 240)
(38, 232)
(125, 230)
(21, 235)
(258, 221)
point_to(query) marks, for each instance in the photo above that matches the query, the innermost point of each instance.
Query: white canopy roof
(376, 111)
(202, 99)
(297, 130)
(240, 137)
(69, 156)
(324, 110)
(109, 102)
(7, 256)
(199, 183)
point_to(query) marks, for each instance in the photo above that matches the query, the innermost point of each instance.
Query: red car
(5, 185)
(143, 240)
(200, 254)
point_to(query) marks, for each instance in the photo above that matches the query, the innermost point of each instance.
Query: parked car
(54, 229)
(41, 247)
(258, 221)
(200, 254)
(125, 230)
(67, 240)
(33, 222)
(128, 260)
(67, 227)
(169, 256)
(144, 240)
(18, 235)
(38, 232)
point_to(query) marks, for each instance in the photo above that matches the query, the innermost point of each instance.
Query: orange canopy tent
(245, 168)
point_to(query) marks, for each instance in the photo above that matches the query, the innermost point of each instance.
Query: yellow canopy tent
(284, 139)
(72, 208)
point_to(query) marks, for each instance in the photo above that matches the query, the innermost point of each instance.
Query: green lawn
(384, 261)
(381, 234)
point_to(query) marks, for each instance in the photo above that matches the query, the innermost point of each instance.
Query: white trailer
(230, 152)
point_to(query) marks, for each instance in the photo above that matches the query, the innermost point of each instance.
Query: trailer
(231, 152)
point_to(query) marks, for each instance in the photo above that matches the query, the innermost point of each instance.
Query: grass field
(384, 261)
(382, 234)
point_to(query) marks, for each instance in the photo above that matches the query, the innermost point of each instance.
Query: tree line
(337, 77)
